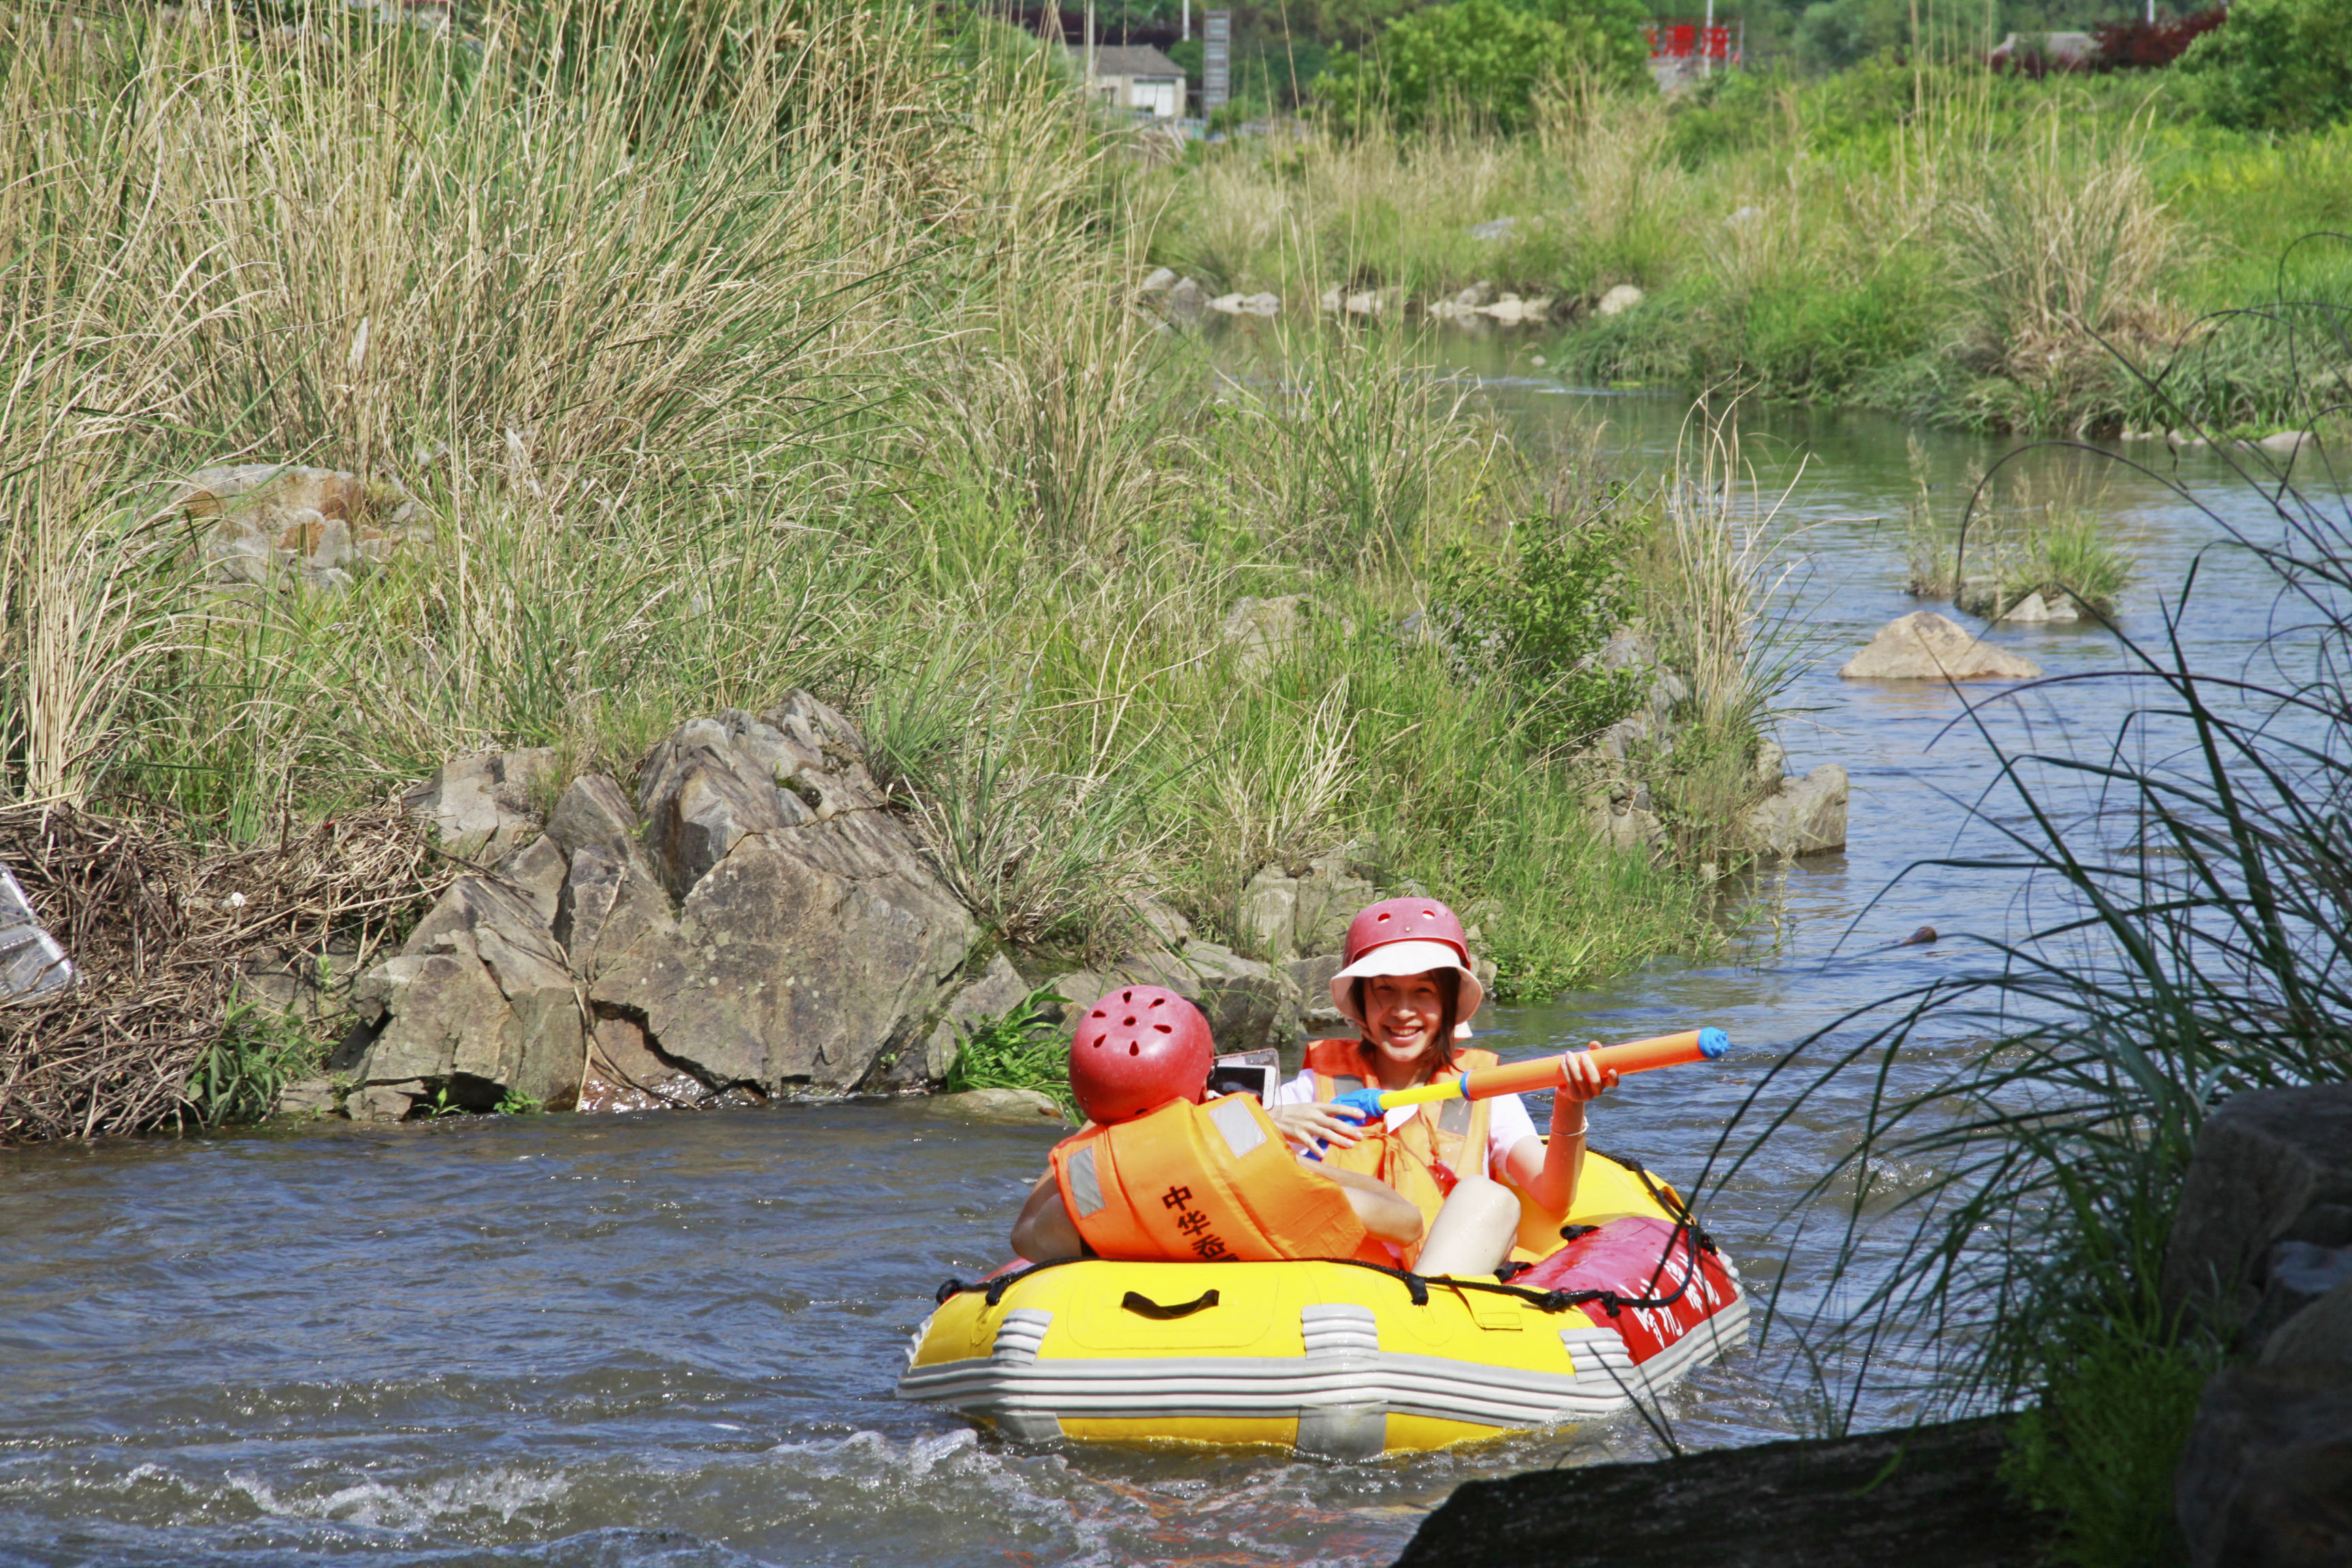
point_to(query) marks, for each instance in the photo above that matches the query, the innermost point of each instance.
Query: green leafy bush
(1019, 1050)
(1482, 60)
(2100, 1450)
(1539, 620)
(2275, 65)
(258, 1053)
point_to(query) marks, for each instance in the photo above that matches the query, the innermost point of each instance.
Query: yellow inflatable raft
(1340, 1358)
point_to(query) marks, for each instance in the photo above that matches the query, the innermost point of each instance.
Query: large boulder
(756, 920)
(1923, 646)
(811, 939)
(2270, 1167)
(478, 1004)
(1804, 816)
(2266, 1478)
(1250, 1006)
(1288, 910)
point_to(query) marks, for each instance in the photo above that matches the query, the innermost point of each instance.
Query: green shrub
(1481, 59)
(2099, 1451)
(1019, 1050)
(1539, 621)
(2275, 65)
(239, 1080)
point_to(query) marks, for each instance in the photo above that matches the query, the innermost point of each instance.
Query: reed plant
(2004, 1207)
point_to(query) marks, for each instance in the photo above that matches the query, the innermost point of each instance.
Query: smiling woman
(1411, 989)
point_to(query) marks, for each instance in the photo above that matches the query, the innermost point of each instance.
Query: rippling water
(672, 1338)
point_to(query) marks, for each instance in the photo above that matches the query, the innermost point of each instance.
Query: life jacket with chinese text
(1213, 1183)
(1421, 1158)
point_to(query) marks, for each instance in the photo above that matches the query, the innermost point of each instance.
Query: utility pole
(1188, 19)
(1707, 42)
(1090, 51)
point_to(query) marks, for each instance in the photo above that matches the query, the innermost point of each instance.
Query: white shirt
(1508, 1121)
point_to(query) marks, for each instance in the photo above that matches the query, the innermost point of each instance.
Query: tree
(2275, 65)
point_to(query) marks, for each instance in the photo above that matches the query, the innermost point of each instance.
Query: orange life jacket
(1215, 1182)
(1423, 1157)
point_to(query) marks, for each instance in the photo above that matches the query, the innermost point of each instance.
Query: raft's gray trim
(1605, 1382)
(1085, 1185)
(1018, 1337)
(1339, 1329)
(1233, 1119)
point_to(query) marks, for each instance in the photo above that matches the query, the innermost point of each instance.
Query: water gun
(1545, 1072)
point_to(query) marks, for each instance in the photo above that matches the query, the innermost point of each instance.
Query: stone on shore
(1618, 300)
(479, 807)
(1025, 1106)
(2271, 1166)
(479, 1003)
(1923, 646)
(1286, 910)
(2267, 1476)
(1265, 632)
(282, 522)
(1250, 1006)
(1185, 302)
(756, 920)
(1928, 1497)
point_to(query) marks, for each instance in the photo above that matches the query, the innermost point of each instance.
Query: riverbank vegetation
(2183, 877)
(1932, 241)
(734, 351)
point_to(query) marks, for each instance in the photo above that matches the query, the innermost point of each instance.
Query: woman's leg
(1473, 1232)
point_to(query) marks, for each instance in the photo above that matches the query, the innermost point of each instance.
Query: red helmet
(1405, 936)
(1137, 1050)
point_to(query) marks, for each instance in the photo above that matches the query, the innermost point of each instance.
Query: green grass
(1943, 244)
(239, 1080)
(1019, 1049)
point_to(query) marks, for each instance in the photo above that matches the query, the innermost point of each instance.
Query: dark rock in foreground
(1921, 1498)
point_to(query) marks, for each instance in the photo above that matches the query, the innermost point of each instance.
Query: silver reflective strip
(1342, 1084)
(1233, 1117)
(1453, 1117)
(1084, 1185)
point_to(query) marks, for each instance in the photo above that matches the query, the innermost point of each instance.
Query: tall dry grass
(757, 347)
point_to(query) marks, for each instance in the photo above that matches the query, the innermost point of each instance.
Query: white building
(1142, 80)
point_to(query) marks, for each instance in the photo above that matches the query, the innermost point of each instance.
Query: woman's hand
(1585, 1081)
(1303, 1124)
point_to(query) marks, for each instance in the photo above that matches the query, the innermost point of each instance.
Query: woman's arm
(1045, 1229)
(1546, 1173)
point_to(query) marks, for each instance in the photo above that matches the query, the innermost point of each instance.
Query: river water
(671, 1338)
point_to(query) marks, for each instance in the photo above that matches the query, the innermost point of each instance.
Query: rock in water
(1618, 300)
(1025, 1106)
(1805, 816)
(2035, 608)
(1923, 646)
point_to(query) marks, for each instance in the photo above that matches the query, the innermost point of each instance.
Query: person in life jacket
(1162, 1173)
(1408, 986)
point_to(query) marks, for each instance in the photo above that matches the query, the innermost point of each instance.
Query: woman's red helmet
(1406, 936)
(1137, 1050)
